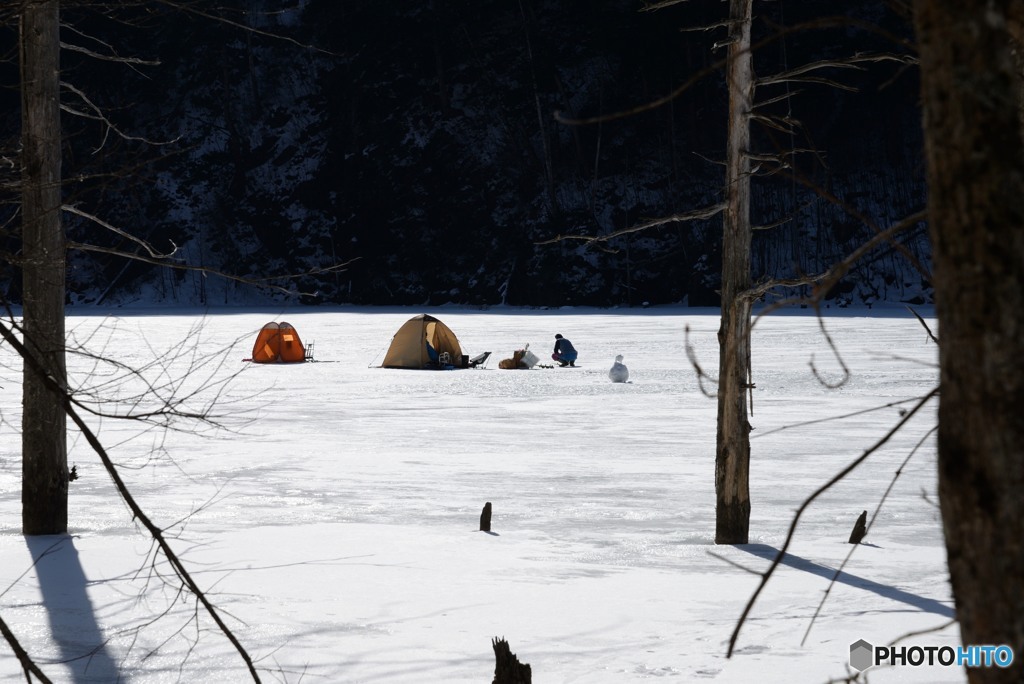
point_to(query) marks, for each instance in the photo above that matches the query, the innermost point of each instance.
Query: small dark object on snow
(507, 668)
(859, 529)
(485, 518)
(73, 475)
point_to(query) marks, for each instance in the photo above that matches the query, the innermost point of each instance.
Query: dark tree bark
(507, 668)
(44, 446)
(732, 458)
(485, 518)
(860, 528)
(975, 154)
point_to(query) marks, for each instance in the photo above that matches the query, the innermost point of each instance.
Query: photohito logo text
(863, 655)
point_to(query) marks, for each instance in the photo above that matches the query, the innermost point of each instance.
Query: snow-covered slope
(427, 147)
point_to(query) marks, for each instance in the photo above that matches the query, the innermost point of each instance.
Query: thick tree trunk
(975, 154)
(44, 494)
(732, 459)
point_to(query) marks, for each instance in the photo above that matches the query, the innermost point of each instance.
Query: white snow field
(334, 517)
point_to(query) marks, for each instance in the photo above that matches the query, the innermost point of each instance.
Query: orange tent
(278, 343)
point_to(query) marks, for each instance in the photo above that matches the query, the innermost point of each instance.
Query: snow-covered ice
(333, 518)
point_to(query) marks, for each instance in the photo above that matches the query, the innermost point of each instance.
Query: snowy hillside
(419, 145)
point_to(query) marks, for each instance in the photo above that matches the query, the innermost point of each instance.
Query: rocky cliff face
(418, 142)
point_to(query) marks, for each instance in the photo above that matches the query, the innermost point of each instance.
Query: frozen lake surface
(333, 513)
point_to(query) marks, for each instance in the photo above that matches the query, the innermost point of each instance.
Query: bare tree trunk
(975, 153)
(732, 459)
(507, 668)
(542, 128)
(44, 496)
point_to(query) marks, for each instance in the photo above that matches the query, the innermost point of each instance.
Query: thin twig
(695, 215)
(28, 666)
(71, 209)
(925, 325)
(261, 282)
(835, 352)
(807, 502)
(251, 29)
(867, 528)
(691, 354)
(155, 532)
(832, 418)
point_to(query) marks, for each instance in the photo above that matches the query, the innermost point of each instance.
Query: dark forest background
(418, 141)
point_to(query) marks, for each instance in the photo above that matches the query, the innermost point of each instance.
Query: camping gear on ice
(618, 372)
(280, 343)
(522, 359)
(425, 342)
(515, 363)
(479, 359)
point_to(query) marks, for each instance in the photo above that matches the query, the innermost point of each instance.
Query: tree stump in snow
(507, 668)
(859, 529)
(485, 518)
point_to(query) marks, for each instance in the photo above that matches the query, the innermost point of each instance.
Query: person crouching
(565, 354)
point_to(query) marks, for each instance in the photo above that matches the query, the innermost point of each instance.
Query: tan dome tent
(424, 342)
(278, 343)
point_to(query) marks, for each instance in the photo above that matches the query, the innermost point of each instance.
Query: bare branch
(780, 33)
(155, 532)
(162, 401)
(808, 501)
(646, 107)
(261, 282)
(826, 281)
(783, 220)
(921, 632)
(652, 6)
(835, 352)
(846, 22)
(71, 209)
(28, 666)
(833, 418)
(787, 76)
(819, 80)
(71, 47)
(925, 325)
(782, 124)
(691, 354)
(849, 63)
(778, 98)
(192, 9)
(695, 215)
(854, 547)
(98, 115)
